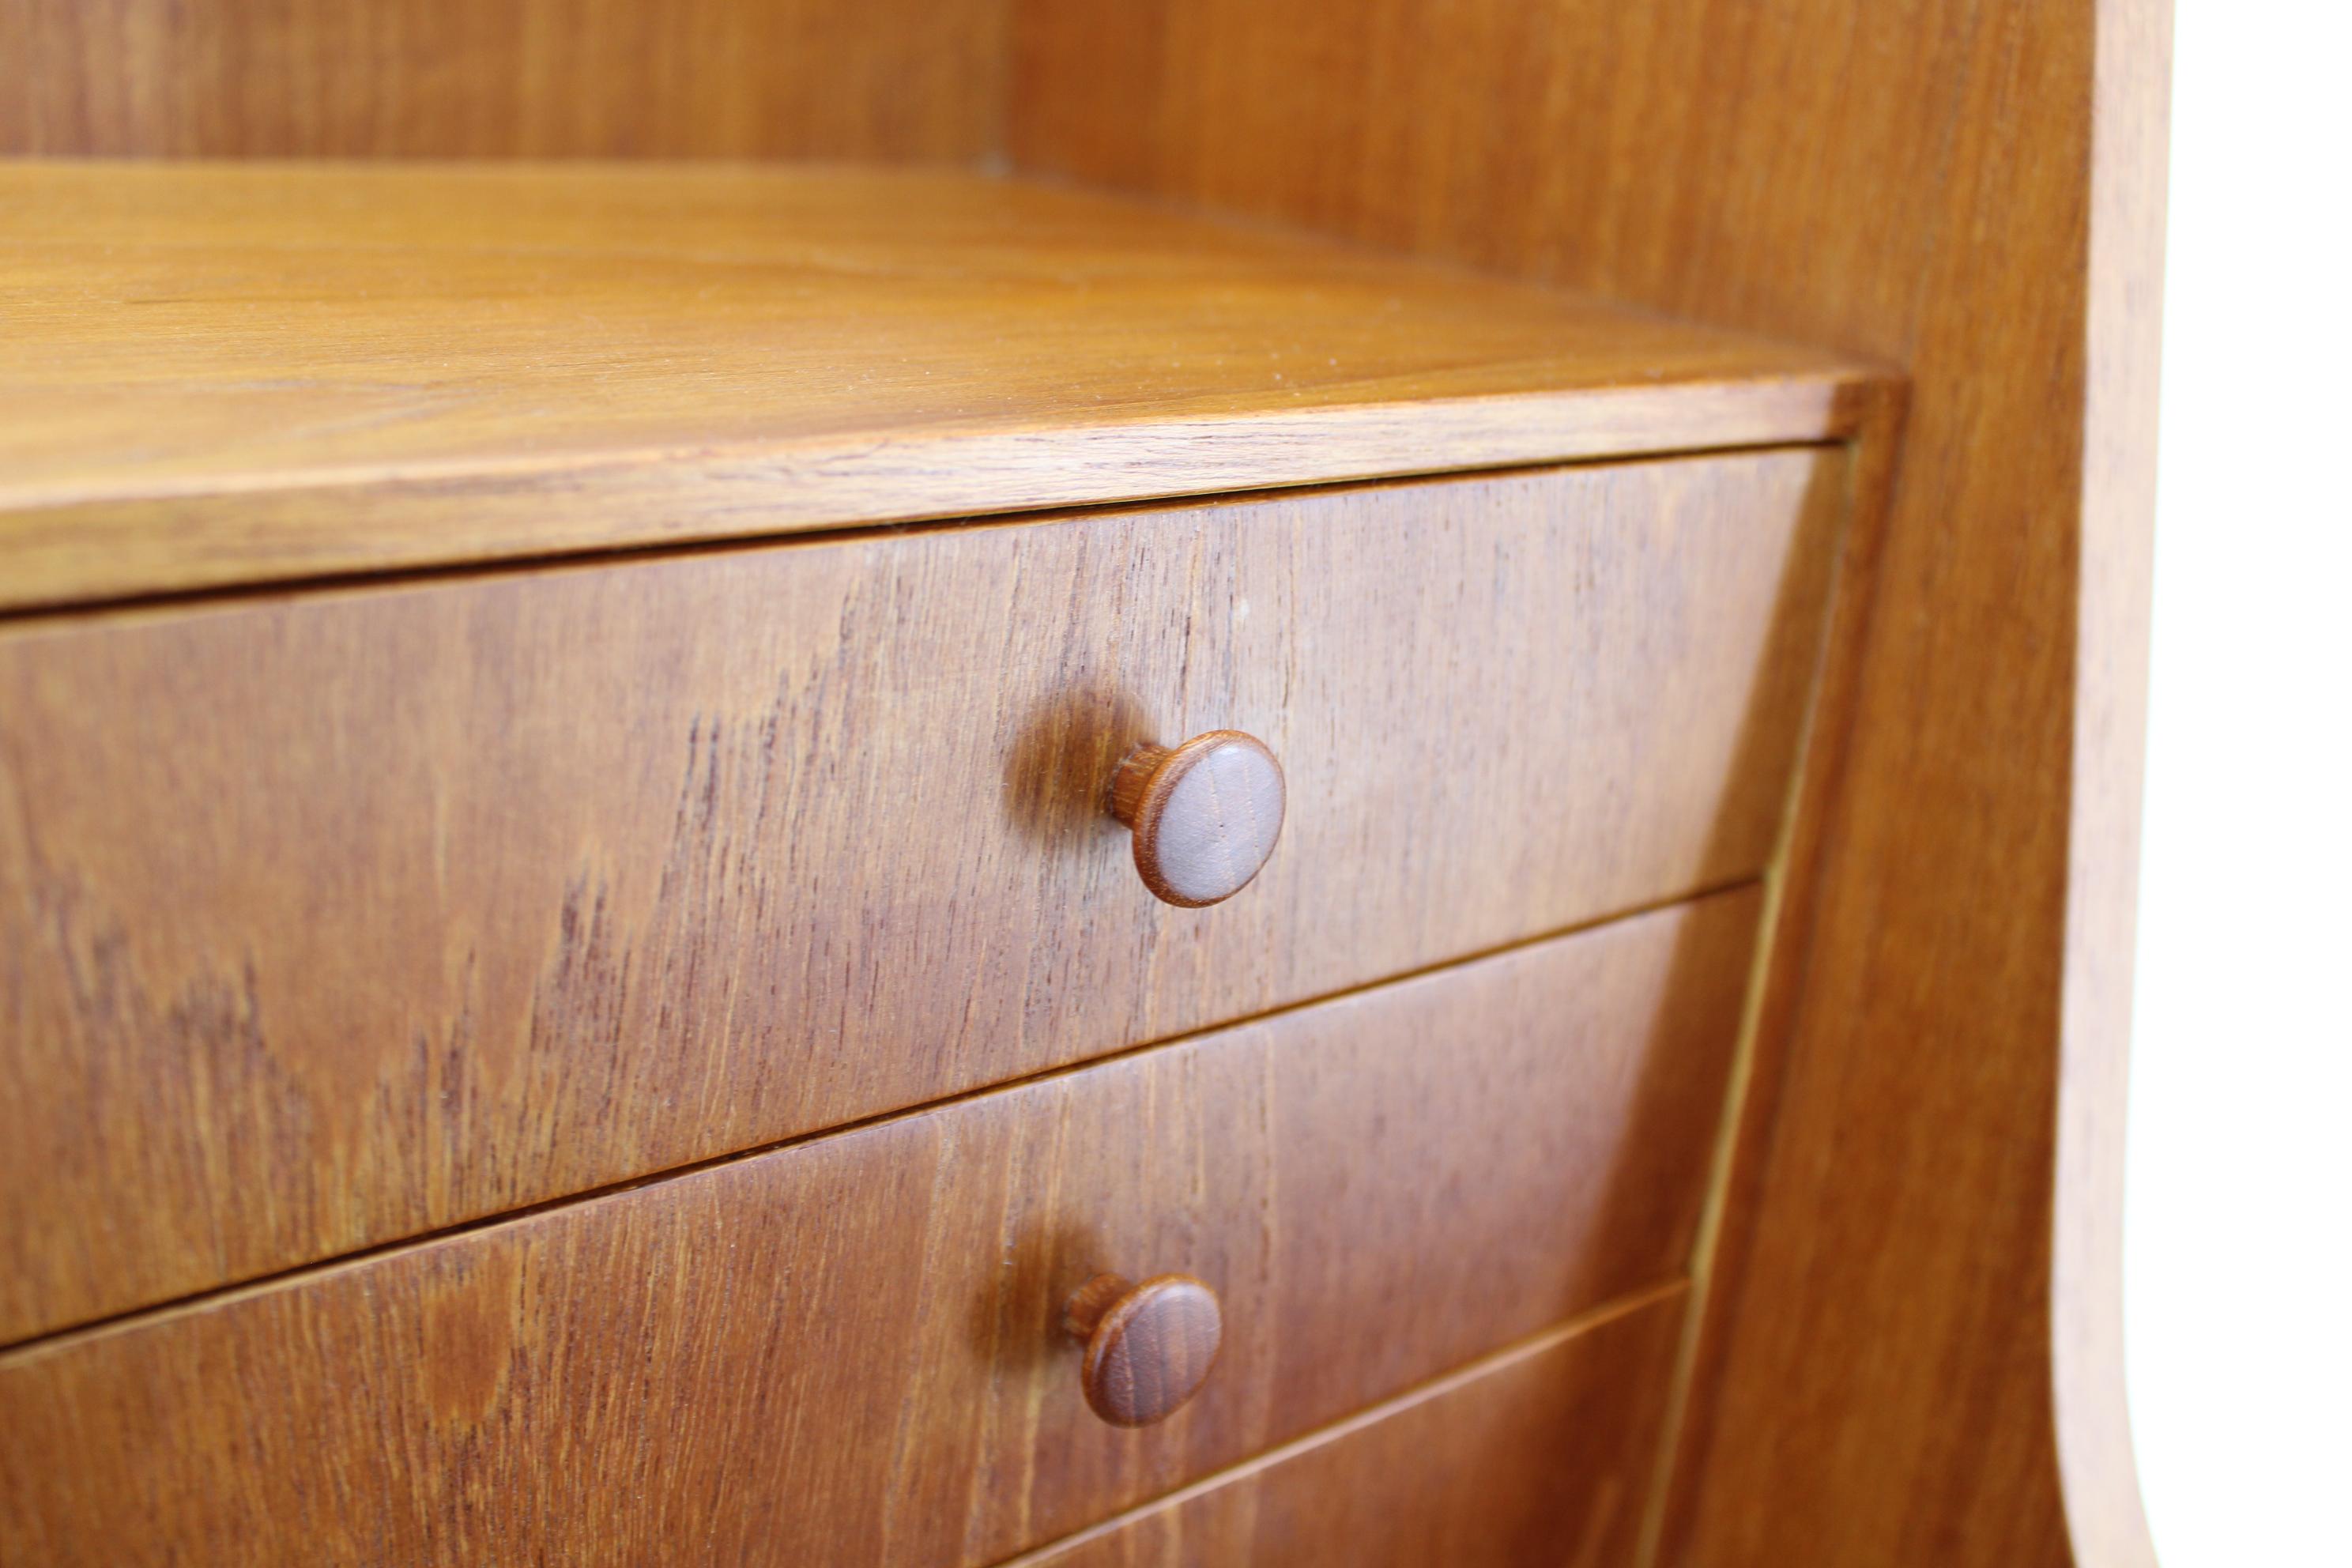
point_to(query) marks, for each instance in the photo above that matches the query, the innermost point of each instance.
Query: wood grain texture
(851, 1351)
(225, 374)
(444, 78)
(1791, 907)
(1533, 1456)
(1964, 190)
(1149, 1347)
(400, 907)
(1205, 815)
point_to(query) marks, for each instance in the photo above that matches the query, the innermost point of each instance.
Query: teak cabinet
(863, 861)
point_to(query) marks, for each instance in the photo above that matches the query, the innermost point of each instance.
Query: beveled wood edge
(64, 552)
(1437, 1387)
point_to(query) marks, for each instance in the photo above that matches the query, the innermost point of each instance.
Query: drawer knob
(1205, 814)
(1148, 1346)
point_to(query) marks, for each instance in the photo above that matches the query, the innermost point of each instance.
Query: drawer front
(849, 1349)
(1545, 1458)
(339, 918)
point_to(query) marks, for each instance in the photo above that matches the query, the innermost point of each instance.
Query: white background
(2238, 1217)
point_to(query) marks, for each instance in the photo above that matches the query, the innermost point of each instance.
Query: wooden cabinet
(876, 866)
(544, 687)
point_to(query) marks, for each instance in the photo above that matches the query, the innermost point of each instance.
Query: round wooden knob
(1148, 1346)
(1205, 814)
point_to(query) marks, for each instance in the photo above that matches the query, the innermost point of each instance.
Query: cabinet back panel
(915, 80)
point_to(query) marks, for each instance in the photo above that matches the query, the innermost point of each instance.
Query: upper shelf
(221, 374)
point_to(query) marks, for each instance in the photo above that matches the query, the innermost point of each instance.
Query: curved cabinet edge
(2131, 94)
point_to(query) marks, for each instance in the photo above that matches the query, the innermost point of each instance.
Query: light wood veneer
(231, 373)
(453, 78)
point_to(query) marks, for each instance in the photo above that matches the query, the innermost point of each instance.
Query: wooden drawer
(1542, 1456)
(847, 1351)
(340, 917)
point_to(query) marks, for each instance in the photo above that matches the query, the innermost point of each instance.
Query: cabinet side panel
(1914, 181)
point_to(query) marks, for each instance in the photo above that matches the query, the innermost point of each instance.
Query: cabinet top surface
(226, 372)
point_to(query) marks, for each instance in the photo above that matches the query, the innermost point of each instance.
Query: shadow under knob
(1205, 815)
(1149, 1347)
